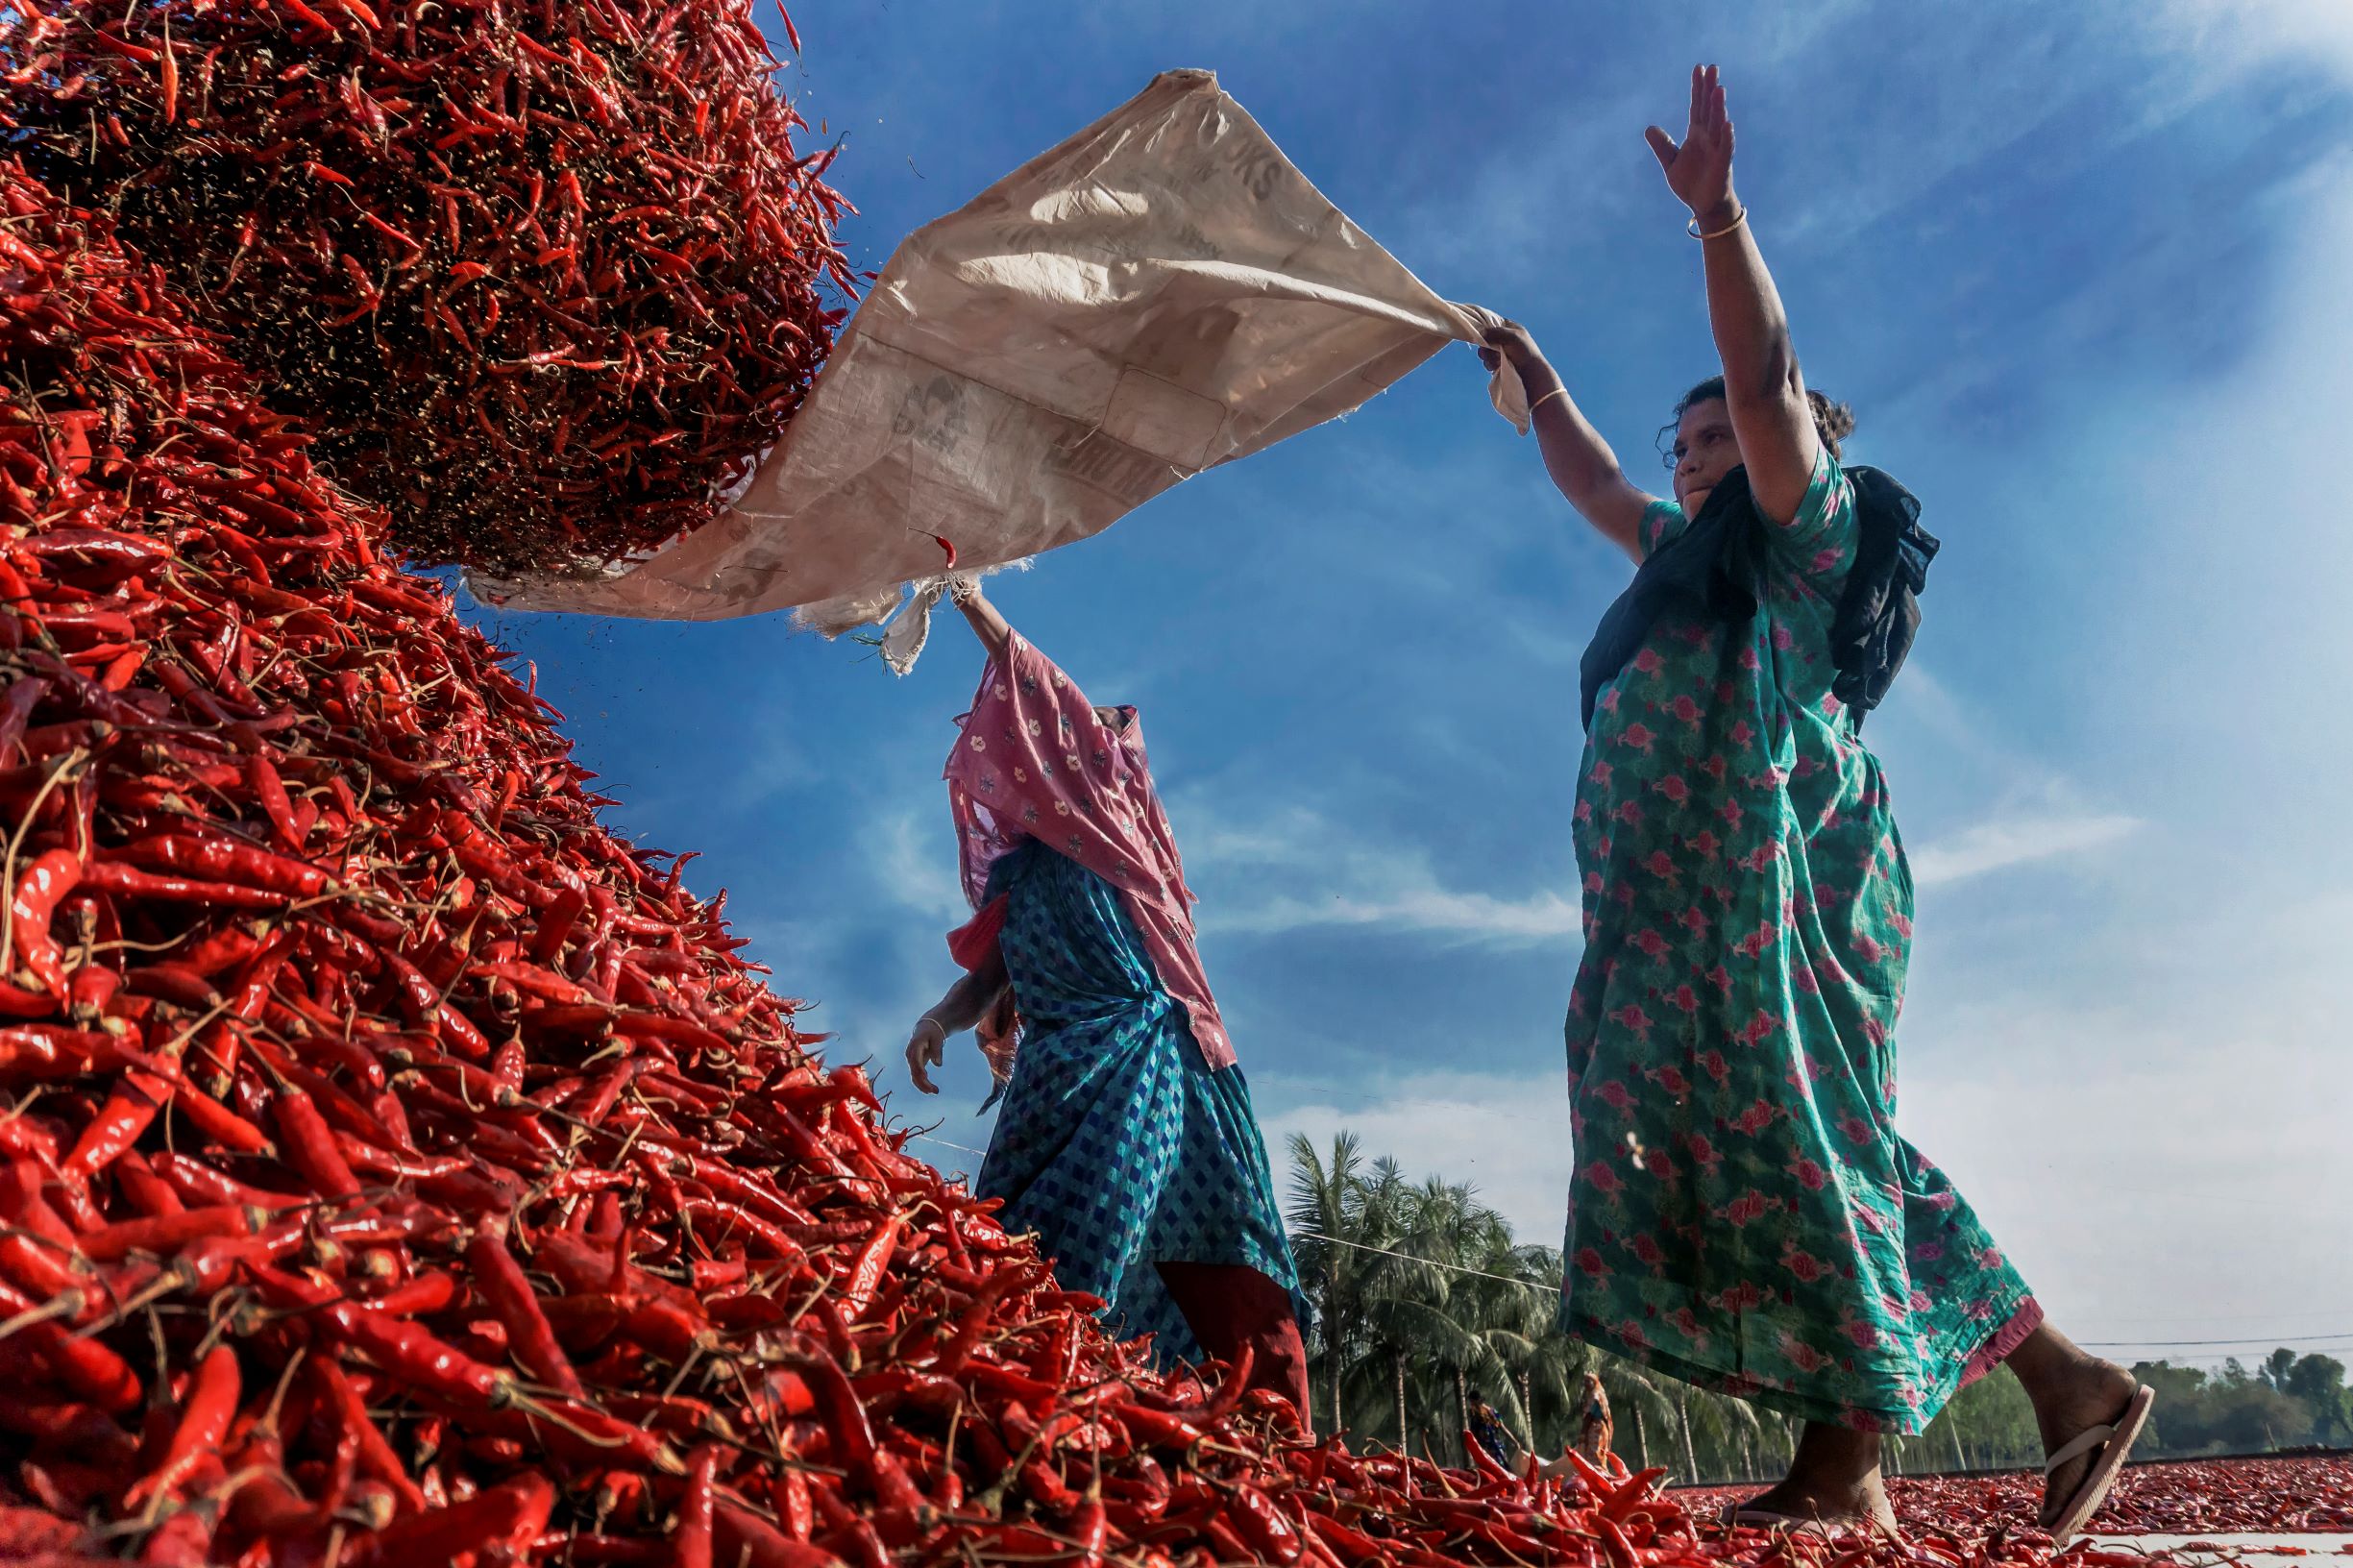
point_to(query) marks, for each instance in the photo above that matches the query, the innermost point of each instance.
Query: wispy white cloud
(913, 864)
(1297, 869)
(2246, 32)
(1473, 917)
(2016, 840)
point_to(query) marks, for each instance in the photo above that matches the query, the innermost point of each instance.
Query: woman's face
(1113, 719)
(1704, 452)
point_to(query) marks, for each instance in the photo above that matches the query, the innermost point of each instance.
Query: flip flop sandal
(2114, 1440)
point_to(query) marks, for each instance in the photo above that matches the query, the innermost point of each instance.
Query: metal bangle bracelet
(1738, 218)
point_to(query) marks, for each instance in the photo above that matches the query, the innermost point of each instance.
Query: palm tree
(1351, 1225)
(1326, 1215)
(1421, 1290)
(1476, 1334)
(1717, 1425)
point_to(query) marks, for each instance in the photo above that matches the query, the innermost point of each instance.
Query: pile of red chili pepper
(396, 1167)
(544, 279)
(2281, 1496)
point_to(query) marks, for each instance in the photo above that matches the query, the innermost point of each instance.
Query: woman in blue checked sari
(1125, 1138)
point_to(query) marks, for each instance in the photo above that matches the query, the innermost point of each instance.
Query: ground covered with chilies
(399, 1168)
(2277, 1496)
(543, 277)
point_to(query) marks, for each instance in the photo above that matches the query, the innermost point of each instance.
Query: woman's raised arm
(1575, 454)
(1763, 388)
(989, 623)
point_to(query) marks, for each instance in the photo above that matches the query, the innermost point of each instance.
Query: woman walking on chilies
(1743, 1213)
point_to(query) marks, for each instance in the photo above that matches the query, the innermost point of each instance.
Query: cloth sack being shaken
(1160, 294)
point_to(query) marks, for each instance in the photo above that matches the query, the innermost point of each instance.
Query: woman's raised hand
(1509, 340)
(1700, 169)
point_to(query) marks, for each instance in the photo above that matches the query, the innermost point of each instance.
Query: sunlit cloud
(2002, 844)
(1297, 869)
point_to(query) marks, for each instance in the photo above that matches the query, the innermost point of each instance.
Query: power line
(2187, 1344)
(2276, 1340)
(2273, 1316)
(926, 1138)
(1417, 1257)
(2309, 1341)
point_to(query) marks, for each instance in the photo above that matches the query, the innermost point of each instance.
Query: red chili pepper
(200, 1184)
(748, 1541)
(1353, 1546)
(1597, 1481)
(372, 1455)
(1226, 1544)
(46, 1050)
(1262, 1524)
(37, 1250)
(116, 1128)
(792, 1504)
(1615, 1542)
(510, 1294)
(426, 1294)
(87, 1367)
(1622, 1499)
(413, 1354)
(845, 1422)
(1159, 1427)
(207, 1115)
(691, 1544)
(262, 777)
(310, 1148)
(1481, 1460)
(114, 877)
(205, 1410)
(164, 1234)
(148, 1192)
(52, 875)
(511, 1514)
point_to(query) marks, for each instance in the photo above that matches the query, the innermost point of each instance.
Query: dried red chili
(467, 260)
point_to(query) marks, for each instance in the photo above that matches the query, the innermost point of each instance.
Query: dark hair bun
(1834, 422)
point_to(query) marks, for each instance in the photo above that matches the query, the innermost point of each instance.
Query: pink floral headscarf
(1034, 762)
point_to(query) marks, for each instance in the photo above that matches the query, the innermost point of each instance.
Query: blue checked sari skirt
(1114, 1142)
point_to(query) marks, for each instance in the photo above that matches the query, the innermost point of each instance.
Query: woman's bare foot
(1833, 1481)
(2072, 1391)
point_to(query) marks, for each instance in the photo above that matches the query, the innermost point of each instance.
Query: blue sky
(2080, 271)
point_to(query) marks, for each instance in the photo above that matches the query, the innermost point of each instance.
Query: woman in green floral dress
(1743, 1213)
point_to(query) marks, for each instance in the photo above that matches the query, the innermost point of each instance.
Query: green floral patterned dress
(1743, 1213)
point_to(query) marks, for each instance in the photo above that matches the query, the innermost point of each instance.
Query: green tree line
(1423, 1296)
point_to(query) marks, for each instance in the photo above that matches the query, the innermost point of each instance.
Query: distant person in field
(1593, 1432)
(1743, 1213)
(1126, 1139)
(1487, 1428)
(1593, 1425)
